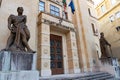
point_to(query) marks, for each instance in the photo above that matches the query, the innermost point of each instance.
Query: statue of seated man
(103, 45)
(19, 37)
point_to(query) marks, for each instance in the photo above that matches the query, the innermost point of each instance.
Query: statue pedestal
(111, 66)
(18, 66)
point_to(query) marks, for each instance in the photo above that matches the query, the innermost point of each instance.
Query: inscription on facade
(57, 24)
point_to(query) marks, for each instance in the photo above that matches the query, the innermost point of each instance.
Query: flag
(72, 6)
(64, 4)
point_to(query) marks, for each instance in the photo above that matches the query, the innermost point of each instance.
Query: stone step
(97, 76)
(87, 76)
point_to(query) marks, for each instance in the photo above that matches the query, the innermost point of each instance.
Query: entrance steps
(82, 76)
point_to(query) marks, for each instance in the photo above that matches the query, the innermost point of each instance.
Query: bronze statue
(103, 44)
(20, 35)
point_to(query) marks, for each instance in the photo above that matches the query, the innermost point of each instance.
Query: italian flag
(64, 4)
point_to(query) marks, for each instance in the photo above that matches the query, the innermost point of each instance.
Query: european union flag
(72, 6)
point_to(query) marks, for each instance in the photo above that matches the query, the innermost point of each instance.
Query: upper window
(117, 15)
(113, 2)
(93, 28)
(112, 18)
(103, 8)
(54, 10)
(89, 11)
(118, 28)
(41, 6)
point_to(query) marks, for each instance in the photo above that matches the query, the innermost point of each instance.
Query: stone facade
(79, 52)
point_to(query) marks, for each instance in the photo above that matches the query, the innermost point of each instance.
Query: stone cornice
(100, 17)
(53, 16)
(56, 2)
(46, 21)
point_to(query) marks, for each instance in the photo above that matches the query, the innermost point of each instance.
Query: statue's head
(20, 10)
(102, 34)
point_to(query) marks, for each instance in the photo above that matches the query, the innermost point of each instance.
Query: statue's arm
(25, 19)
(107, 42)
(10, 21)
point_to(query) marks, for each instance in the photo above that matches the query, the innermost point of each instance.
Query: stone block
(19, 75)
(111, 66)
(14, 61)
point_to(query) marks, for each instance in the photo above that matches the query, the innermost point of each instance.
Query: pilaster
(73, 61)
(44, 49)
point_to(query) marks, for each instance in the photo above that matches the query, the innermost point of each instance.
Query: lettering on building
(57, 24)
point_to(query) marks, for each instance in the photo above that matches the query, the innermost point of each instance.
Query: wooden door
(56, 54)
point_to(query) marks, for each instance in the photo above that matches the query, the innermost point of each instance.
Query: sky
(97, 1)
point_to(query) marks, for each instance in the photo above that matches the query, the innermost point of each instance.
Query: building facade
(108, 12)
(65, 42)
(94, 24)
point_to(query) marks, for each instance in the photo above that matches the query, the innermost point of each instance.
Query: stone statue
(20, 35)
(103, 44)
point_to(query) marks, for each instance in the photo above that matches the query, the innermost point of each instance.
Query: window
(93, 28)
(54, 10)
(117, 15)
(89, 11)
(113, 2)
(118, 28)
(41, 6)
(103, 8)
(65, 15)
(111, 18)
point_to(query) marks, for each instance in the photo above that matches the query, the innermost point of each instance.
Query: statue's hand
(11, 29)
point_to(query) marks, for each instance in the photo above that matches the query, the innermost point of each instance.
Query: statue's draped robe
(104, 48)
